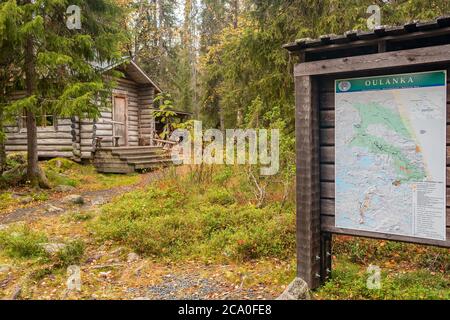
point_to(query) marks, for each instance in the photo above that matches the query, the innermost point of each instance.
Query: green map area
(374, 113)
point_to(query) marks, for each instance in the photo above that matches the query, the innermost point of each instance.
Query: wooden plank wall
(146, 119)
(133, 109)
(52, 141)
(327, 177)
(74, 138)
(103, 127)
(308, 183)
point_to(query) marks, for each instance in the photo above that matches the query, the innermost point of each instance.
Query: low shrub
(22, 242)
(153, 222)
(71, 254)
(220, 196)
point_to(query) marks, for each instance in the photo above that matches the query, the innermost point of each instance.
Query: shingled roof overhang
(382, 39)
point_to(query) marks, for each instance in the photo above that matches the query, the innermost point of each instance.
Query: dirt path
(91, 199)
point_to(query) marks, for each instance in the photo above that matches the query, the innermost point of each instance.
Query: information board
(390, 157)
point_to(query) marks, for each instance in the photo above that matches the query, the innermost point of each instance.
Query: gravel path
(195, 287)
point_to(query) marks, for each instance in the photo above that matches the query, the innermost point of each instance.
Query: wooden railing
(166, 144)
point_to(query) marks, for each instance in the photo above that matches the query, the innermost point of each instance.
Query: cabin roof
(133, 70)
(408, 36)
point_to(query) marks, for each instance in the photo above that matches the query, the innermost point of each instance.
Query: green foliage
(70, 254)
(349, 281)
(78, 216)
(180, 222)
(365, 251)
(57, 171)
(61, 164)
(68, 83)
(15, 170)
(15, 159)
(40, 196)
(6, 200)
(165, 114)
(22, 242)
(220, 196)
(223, 175)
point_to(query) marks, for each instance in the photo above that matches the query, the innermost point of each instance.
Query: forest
(138, 236)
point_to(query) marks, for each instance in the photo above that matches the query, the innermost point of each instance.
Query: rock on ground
(4, 268)
(53, 209)
(16, 293)
(74, 198)
(26, 200)
(132, 257)
(63, 188)
(52, 248)
(297, 290)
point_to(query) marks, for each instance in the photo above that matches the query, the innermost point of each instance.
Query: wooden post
(308, 182)
(325, 256)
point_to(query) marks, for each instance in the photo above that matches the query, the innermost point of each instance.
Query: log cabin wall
(327, 153)
(74, 138)
(53, 141)
(103, 127)
(146, 119)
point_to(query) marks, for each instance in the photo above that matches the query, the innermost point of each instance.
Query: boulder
(53, 209)
(53, 248)
(132, 257)
(63, 188)
(5, 268)
(297, 290)
(74, 199)
(26, 200)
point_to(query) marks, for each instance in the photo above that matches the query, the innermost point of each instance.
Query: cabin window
(43, 120)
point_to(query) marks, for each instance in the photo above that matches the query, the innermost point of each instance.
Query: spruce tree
(59, 66)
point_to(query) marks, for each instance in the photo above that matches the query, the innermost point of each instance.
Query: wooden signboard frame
(315, 116)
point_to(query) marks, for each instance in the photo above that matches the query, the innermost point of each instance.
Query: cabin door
(120, 125)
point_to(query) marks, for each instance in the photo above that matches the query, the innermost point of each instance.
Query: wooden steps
(130, 159)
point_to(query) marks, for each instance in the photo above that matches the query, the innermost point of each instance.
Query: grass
(22, 242)
(173, 223)
(71, 254)
(62, 171)
(6, 200)
(349, 281)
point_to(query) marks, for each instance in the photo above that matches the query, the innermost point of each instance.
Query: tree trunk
(35, 175)
(2, 146)
(235, 13)
(221, 119)
(2, 156)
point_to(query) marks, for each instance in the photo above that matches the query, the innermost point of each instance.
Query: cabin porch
(131, 159)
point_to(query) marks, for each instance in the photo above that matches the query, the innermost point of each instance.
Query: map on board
(390, 165)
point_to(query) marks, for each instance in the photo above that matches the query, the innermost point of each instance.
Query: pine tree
(58, 65)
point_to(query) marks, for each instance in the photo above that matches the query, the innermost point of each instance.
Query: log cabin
(121, 140)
